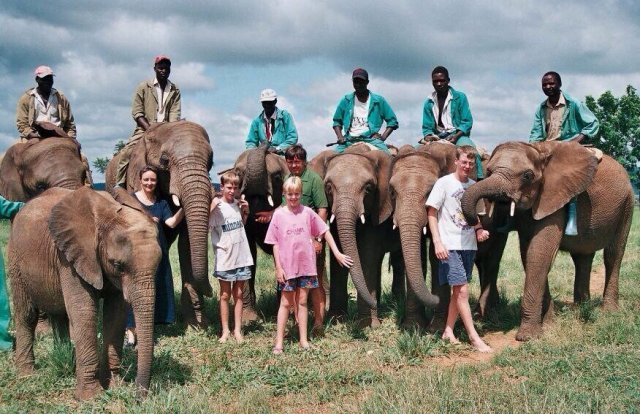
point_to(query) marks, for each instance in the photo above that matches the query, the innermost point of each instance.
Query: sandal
(277, 351)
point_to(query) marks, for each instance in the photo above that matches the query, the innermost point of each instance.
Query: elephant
(183, 156)
(30, 168)
(261, 175)
(69, 248)
(539, 179)
(357, 187)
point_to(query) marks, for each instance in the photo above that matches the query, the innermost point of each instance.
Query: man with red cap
(155, 100)
(43, 103)
(359, 116)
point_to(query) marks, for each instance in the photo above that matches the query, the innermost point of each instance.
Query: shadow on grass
(165, 368)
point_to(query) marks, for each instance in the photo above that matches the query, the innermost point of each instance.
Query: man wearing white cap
(155, 100)
(274, 125)
(43, 103)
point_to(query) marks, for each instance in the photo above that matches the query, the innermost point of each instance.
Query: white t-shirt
(360, 118)
(228, 237)
(445, 196)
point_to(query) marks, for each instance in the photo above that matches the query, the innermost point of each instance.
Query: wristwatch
(319, 239)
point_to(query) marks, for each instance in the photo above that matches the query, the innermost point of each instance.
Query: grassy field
(587, 360)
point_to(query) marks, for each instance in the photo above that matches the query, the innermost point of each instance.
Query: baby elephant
(68, 249)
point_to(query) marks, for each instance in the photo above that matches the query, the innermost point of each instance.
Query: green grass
(587, 360)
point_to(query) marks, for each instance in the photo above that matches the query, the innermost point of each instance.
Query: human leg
(461, 298)
(225, 293)
(286, 301)
(452, 316)
(303, 315)
(123, 163)
(237, 309)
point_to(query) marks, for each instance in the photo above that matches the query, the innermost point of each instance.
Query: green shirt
(313, 195)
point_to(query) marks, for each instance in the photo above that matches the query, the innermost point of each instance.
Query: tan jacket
(145, 103)
(26, 114)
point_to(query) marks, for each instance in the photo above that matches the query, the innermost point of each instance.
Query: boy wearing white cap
(274, 125)
(43, 103)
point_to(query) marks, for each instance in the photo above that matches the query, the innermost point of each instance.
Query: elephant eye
(392, 192)
(164, 161)
(528, 175)
(327, 188)
(41, 185)
(118, 266)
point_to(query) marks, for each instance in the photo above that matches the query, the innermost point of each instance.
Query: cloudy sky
(225, 53)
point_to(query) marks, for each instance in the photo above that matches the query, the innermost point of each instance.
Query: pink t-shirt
(293, 232)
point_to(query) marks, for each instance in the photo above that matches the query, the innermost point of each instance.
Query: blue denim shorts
(302, 282)
(234, 275)
(457, 269)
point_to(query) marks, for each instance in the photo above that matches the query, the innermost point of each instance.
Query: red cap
(160, 58)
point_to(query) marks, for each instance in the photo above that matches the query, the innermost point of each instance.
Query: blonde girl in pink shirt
(291, 231)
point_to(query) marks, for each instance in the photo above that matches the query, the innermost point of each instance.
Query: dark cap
(161, 58)
(360, 73)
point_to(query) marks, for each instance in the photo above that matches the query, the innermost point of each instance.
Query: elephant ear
(74, 225)
(443, 153)
(382, 164)
(568, 169)
(319, 163)
(10, 178)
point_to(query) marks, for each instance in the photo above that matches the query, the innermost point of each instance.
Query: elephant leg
(396, 262)
(371, 262)
(583, 263)
(249, 313)
(191, 301)
(114, 322)
(415, 315)
(439, 318)
(488, 263)
(339, 302)
(540, 254)
(613, 259)
(25, 317)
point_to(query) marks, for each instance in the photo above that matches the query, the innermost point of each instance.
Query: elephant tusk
(333, 217)
(491, 205)
(270, 200)
(362, 218)
(513, 208)
(394, 226)
(175, 199)
(424, 230)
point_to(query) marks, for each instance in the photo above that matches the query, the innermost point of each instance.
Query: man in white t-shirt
(455, 243)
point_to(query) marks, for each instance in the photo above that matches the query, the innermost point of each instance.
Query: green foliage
(100, 163)
(619, 134)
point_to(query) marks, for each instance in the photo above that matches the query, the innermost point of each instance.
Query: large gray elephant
(30, 168)
(357, 186)
(540, 179)
(413, 173)
(183, 156)
(68, 249)
(261, 175)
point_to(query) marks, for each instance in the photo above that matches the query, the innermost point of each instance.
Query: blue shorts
(457, 269)
(234, 275)
(302, 282)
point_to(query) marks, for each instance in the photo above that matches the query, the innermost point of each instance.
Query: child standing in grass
(233, 257)
(292, 230)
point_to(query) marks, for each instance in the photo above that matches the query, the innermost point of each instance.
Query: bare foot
(305, 345)
(224, 337)
(450, 337)
(238, 336)
(481, 346)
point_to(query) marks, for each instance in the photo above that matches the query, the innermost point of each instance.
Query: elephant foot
(438, 322)
(87, 392)
(337, 316)
(529, 332)
(249, 315)
(610, 305)
(25, 369)
(368, 322)
(414, 322)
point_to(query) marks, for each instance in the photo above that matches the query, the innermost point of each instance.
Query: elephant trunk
(411, 237)
(346, 218)
(143, 306)
(491, 187)
(196, 198)
(256, 180)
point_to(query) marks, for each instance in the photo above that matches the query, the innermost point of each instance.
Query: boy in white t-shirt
(233, 257)
(455, 243)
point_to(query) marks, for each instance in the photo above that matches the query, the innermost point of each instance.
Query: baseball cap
(360, 73)
(160, 58)
(42, 71)
(268, 95)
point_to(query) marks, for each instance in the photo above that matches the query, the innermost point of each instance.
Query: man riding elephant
(359, 116)
(563, 118)
(44, 112)
(273, 125)
(156, 100)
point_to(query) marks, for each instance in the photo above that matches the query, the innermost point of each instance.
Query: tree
(100, 163)
(619, 134)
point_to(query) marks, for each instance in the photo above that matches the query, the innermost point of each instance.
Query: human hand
(344, 260)
(280, 275)
(215, 203)
(156, 219)
(317, 246)
(264, 216)
(243, 204)
(482, 235)
(441, 252)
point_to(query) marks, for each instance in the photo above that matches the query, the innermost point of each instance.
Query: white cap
(42, 71)
(268, 95)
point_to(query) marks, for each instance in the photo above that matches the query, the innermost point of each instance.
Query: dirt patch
(596, 285)
(496, 340)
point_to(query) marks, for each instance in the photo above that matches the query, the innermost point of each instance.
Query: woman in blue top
(159, 210)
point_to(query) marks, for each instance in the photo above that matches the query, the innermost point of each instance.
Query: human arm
(174, 220)
(25, 130)
(67, 122)
(389, 118)
(537, 133)
(338, 121)
(253, 137)
(175, 111)
(589, 122)
(481, 233)
(343, 259)
(384, 135)
(464, 123)
(137, 107)
(339, 137)
(280, 275)
(441, 251)
(290, 132)
(428, 122)
(8, 209)
(244, 209)
(317, 242)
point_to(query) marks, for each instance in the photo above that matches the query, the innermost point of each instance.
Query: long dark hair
(148, 168)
